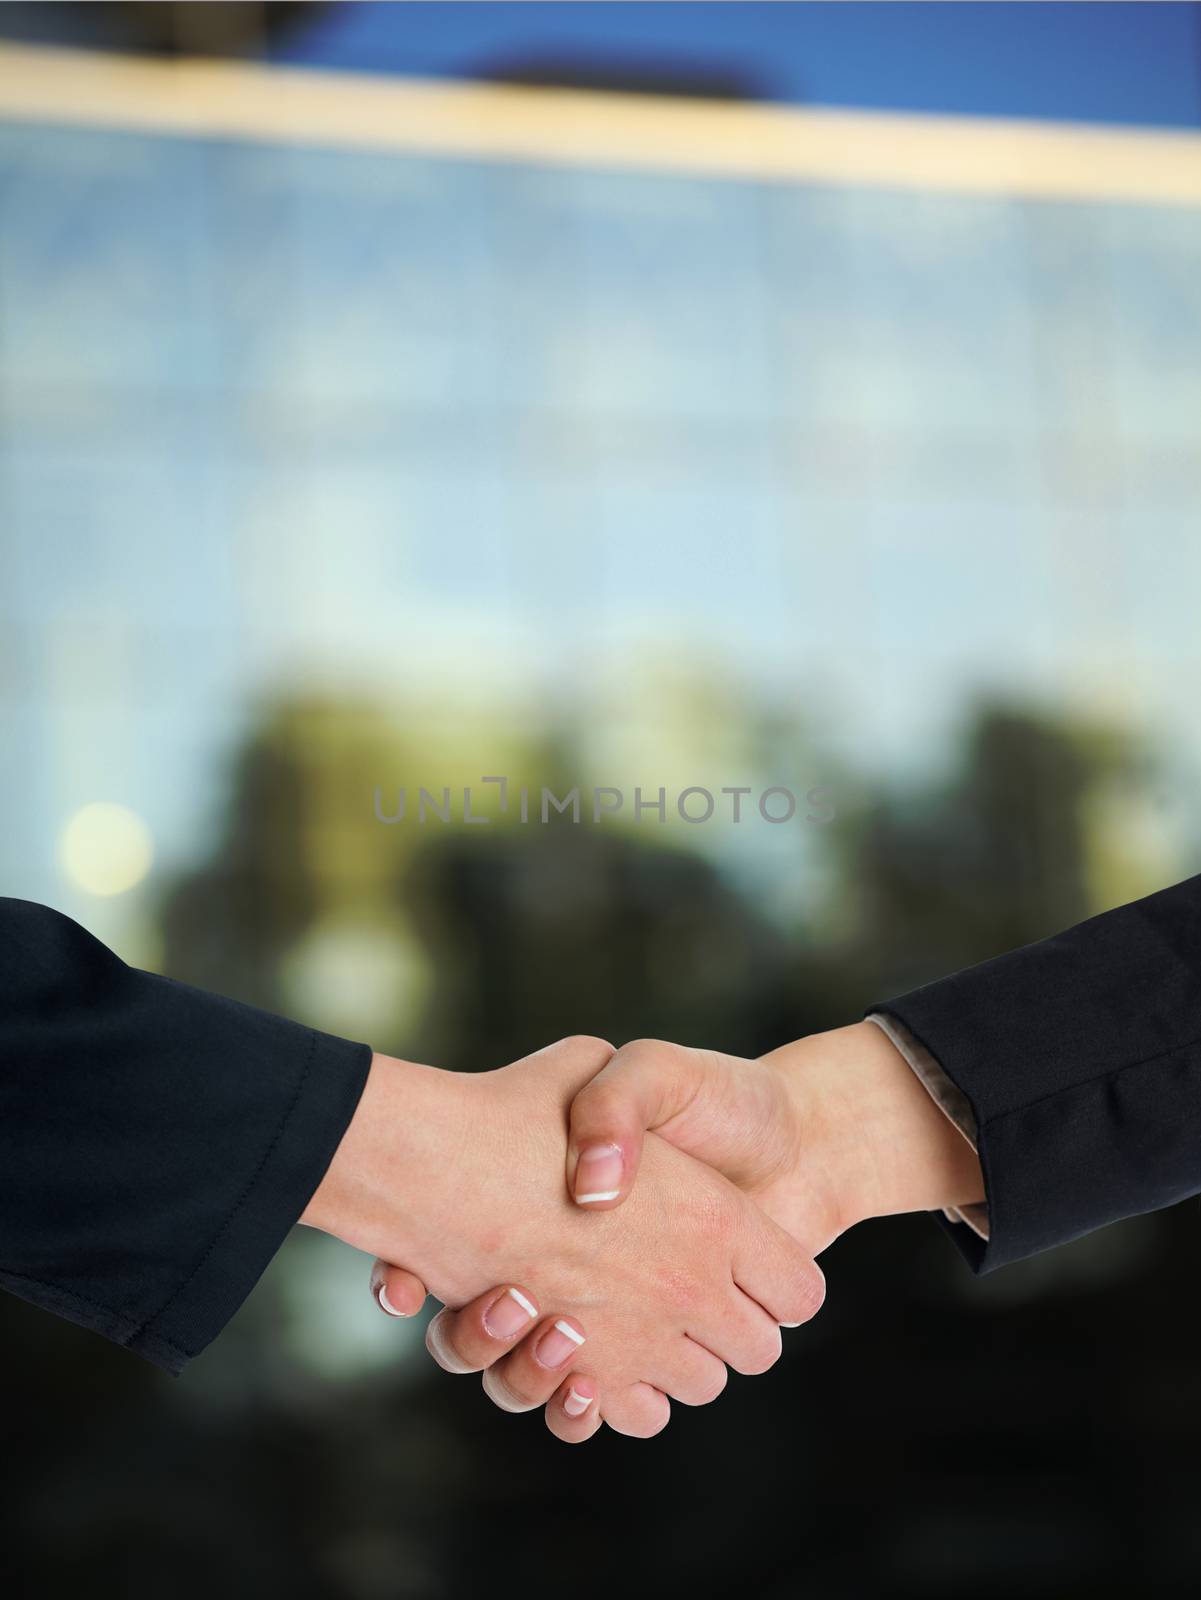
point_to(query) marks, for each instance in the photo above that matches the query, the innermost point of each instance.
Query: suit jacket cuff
(1080, 1060)
(157, 1143)
(309, 1084)
(949, 1100)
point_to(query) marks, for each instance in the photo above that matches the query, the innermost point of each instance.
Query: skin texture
(822, 1133)
(459, 1177)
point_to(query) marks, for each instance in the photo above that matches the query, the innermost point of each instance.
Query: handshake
(617, 1228)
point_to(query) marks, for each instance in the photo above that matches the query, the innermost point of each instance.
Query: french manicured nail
(598, 1174)
(557, 1343)
(508, 1314)
(438, 1346)
(575, 1404)
(381, 1294)
(501, 1395)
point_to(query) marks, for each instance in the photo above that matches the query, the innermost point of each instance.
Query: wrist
(389, 1174)
(880, 1142)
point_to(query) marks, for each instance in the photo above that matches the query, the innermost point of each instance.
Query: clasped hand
(617, 1229)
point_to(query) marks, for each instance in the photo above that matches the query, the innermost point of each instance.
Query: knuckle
(639, 1051)
(588, 1044)
(717, 1212)
(807, 1294)
(642, 1417)
(728, 1208)
(603, 1099)
(653, 1419)
(717, 1386)
(681, 1290)
(760, 1353)
(709, 1388)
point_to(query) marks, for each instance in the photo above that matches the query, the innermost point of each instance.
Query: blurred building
(610, 419)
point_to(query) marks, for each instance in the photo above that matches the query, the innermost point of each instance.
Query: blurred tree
(928, 1435)
(993, 859)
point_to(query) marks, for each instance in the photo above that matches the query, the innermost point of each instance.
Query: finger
(640, 1411)
(644, 1085)
(738, 1332)
(694, 1375)
(398, 1292)
(528, 1376)
(572, 1412)
(473, 1338)
(773, 1269)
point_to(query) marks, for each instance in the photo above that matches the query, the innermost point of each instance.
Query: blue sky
(1133, 63)
(1124, 63)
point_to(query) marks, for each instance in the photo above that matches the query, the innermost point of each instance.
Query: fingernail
(575, 1404)
(508, 1314)
(501, 1395)
(381, 1294)
(598, 1174)
(790, 1324)
(557, 1343)
(438, 1346)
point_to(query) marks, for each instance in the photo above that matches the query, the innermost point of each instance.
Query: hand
(504, 1322)
(453, 1175)
(822, 1133)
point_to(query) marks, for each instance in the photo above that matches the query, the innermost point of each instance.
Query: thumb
(644, 1085)
(400, 1293)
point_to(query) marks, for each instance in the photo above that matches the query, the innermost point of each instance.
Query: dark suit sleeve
(1080, 1057)
(156, 1142)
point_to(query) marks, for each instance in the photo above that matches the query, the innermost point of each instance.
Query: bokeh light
(106, 849)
